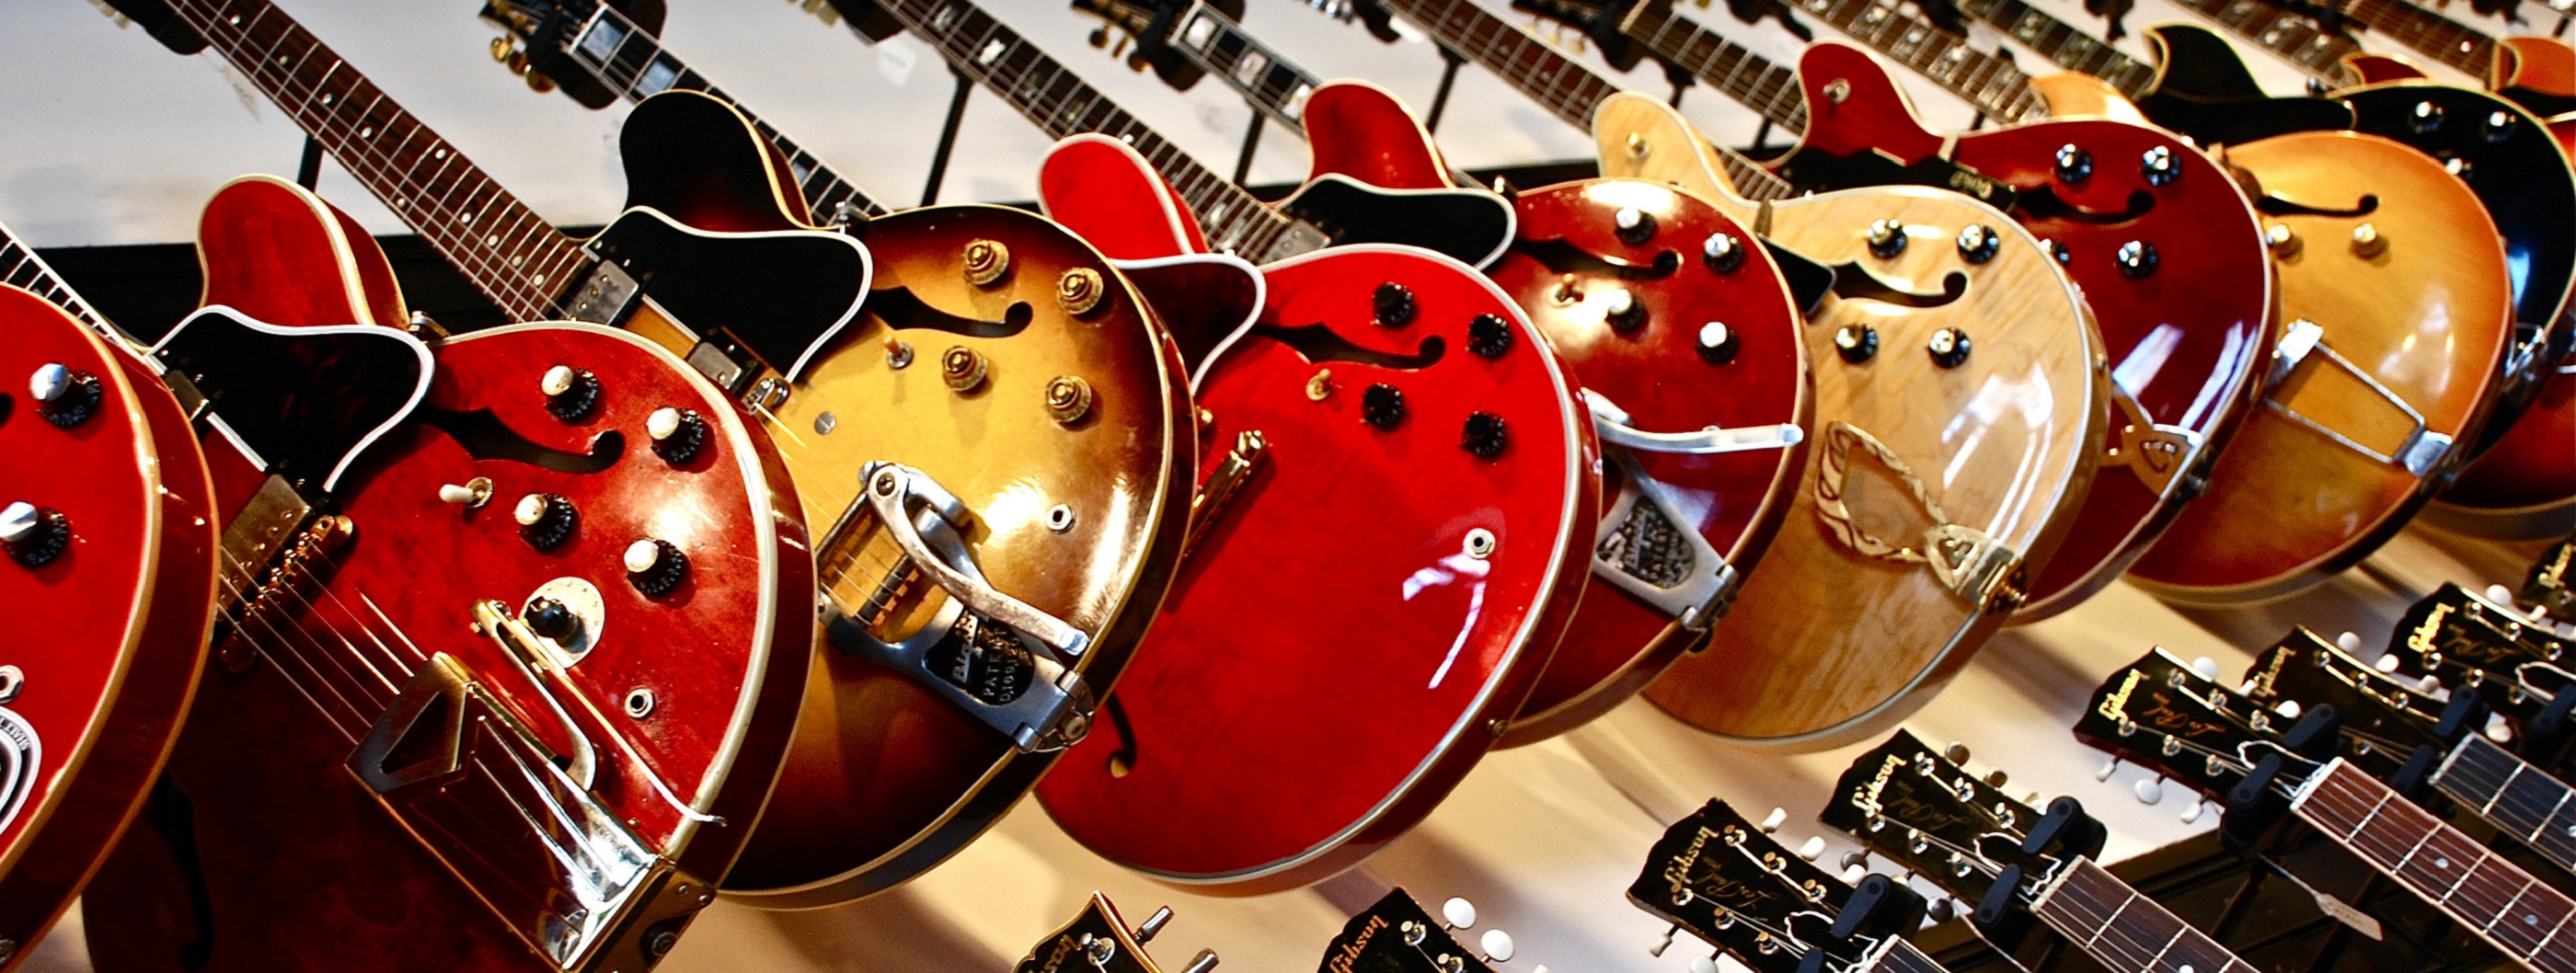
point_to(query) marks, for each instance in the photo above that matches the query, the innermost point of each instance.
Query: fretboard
(2292, 35)
(21, 268)
(1765, 86)
(2125, 930)
(1274, 87)
(1565, 88)
(2500, 901)
(1994, 85)
(1061, 104)
(2516, 797)
(518, 260)
(1902, 956)
(2436, 36)
(2063, 45)
(633, 63)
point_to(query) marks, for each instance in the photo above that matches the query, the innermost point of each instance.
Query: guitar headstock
(1596, 22)
(1099, 941)
(1397, 935)
(2178, 720)
(535, 35)
(2385, 719)
(1727, 881)
(1928, 813)
(2454, 632)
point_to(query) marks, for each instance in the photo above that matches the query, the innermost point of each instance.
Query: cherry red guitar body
(110, 598)
(2187, 319)
(374, 778)
(1658, 361)
(1348, 631)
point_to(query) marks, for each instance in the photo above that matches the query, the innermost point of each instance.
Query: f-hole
(1854, 282)
(1319, 343)
(2272, 205)
(2044, 203)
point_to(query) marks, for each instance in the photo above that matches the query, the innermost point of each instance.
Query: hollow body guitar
(1406, 394)
(116, 538)
(1936, 566)
(533, 749)
(1679, 325)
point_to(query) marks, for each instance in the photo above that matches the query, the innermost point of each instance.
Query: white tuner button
(1812, 848)
(1460, 913)
(1498, 945)
(50, 382)
(2151, 790)
(1771, 822)
(17, 522)
(1703, 964)
(2206, 666)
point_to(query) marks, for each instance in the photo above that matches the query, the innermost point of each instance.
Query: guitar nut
(1079, 290)
(986, 262)
(1068, 399)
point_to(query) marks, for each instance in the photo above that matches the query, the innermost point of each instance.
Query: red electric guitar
(107, 521)
(1681, 329)
(486, 699)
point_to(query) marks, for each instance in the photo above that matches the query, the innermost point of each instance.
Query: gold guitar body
(2416, 310)
(1930, 493)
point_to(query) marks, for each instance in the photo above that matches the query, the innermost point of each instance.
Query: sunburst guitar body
(1400, 485)
(1937, 483)
(2169, 255)
(107, 527)
(1687, 342)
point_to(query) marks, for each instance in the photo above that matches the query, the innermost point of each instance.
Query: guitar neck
(1061, 104)
(21, 268)
(2478, 889)
(1764, 85)
(2435, 36)
(2124, 929)
(1565, 88)
(2294, 36)
(518, 260)
(1902, 956)
(1275, 87)
(633, 63)
(1999, 90)
(2064, 45)
(2516, 797)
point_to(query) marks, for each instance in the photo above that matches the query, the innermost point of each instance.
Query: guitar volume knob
(1393, 304)
(1484, 435)
(2159, 166)
(1489, 336)
(1886, 238)
(1624, 313)
(1382, 406)
(1948, 347)
(2424, 117)
(65, 397)
(655, 567)
(1857, 343)
(2137, 258)
(1717, 343)
(1722, 252)
(546, 520)
(2073, 163)
(1633, 226)
(1978, 243)
(2500, 125)
(34, 536)
(678, 433)
(571, 393)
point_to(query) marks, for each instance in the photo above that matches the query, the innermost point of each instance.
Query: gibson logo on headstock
(1347, 955)
(2116, 704)
(2548, 577)
(1677, 871)
(1064, 947)
(2421, 639)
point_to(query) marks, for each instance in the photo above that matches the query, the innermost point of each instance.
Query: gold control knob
(1068, 399)
(962, 368)
(1079, 290)
(986, 262)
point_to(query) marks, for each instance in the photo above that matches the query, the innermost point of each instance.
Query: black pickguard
(776, 293)
(1471, 225)
(1821, 171)
(302, 400)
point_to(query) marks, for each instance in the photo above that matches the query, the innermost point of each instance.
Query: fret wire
(2343, 791)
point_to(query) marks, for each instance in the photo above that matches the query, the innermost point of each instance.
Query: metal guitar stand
(1450, 62)
(947, 136)
(309, 171)
(1251, 141)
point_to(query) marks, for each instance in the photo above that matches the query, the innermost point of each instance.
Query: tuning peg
(2191, 815)
(1703, 964)
(1813, 848)
(2348, 642)
(2386, 663)
(1855, 859)
(1460, 913)
(1201, 963)
(1665, 941)
(2499, 729)
(2499, 594)
(1772, 821)
(2151, 790)
(1153, 925)
(2206, 666)
(1498, 946)
(502, 48)
(1942, 909)
(1995, 778)
(1099, 36)
(2288, 708)
(2107, 770)
(1956, 752)
(1853, 873)
(539, 83)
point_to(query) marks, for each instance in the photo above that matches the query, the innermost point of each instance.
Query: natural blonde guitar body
(1838, 635)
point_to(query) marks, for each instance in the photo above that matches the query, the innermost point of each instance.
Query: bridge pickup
(998, 658)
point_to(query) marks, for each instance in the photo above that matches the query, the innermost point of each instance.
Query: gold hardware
(1568, 290)
(1320, 386)
(502, 48)
(962, 367)
(2283, 240)
(1977, 567)
(1079, 290)
(2367, 242)
(1250, 450)
(986, 262)
(1068, 399)
(1837, 90)
(1637, 144)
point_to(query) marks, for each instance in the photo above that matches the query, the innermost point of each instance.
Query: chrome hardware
(1886, 238)
(1972, 564)
(1059, 518)
(2073, 163)
(1978, 243)
(1722, 252)
(1250, 450)
(1079, 291)
(528, 654)
(986, 261)
(2137, 258)
(962, 368)
(1857, 343)
(1480, 543)
(1610, 422)
(1632, 225)
(1837, 91)
(2418, 453)
(1068, 399)
(766, 395)
(2159, 167)
(898, 353)
(587, 608)
(640, 703)
(472, 494)
(606, 296)
(13, 681)
(1644, 546)
(926, 522)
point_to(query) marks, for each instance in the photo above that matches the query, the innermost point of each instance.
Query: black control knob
(1633, 225)
(677, 433)
(1886, 238)
(655, 566)
(2424, 117)
(34, 536)
(571, 393)
(1484, 435)
(1393, 304)
(1948, 347)
(2159, 166)
(1978, 243)
(2058, 252)
(2137, 258)
(1718, 343)
(65, 397)
(545, 520)
(1382, 405)
(2500, 125)
(2073, 163)
(1722, 252)
(1857, 343)
(1489, 336)
(552, 619)
(1623, 311)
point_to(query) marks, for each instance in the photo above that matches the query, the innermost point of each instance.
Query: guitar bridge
(998, 658)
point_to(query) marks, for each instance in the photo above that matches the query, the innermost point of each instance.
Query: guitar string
(2335, 799)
